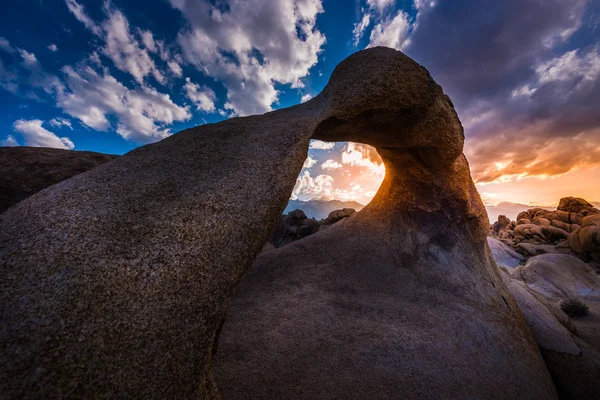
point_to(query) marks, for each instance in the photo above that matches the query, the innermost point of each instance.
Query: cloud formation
(37, 136)
(234, 43)
(142, 113)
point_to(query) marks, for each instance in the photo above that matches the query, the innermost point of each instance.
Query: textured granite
(403, 299)
(114, 283)
(24, 171)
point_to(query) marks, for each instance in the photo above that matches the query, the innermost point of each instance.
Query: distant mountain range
(320, 209)
(511, 210)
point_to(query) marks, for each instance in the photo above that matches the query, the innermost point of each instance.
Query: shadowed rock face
(114, 283)
(24, 171)
(403, 298)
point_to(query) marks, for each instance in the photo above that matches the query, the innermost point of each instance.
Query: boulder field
(573, 229)
(115, 283)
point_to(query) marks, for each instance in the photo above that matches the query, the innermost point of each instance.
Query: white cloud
(353, 192)
(363, 156)
(359, 28)
(571, 65)
(392, 32)
(10, 141)
(380, 5)
(29, 59)
(309, 162)
(79, 12)
(320, 145)
(309, 188)
(52, 47)
(175, 68)
(330, 164)
(58, 122)
(5, 45)
(202, 96)
(306, 98)
(236, 45)
(37, 136)
(120, 45)
(142, 113)
(124, 50)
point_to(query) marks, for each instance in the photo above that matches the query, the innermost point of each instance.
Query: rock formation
(573, 228)
(401, 298)
(296, 225)
(114, 283)
(293, 226)
(27, 170)
(571, 347)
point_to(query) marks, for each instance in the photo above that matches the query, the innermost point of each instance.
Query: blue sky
(110, 76)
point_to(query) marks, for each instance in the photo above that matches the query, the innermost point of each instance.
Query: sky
(110, 76)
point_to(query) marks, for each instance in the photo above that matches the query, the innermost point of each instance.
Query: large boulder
(293, 226)
(401, 299)
(577, 205)
(586, 240)
(504, 255)
(24, 171)
(571, 347)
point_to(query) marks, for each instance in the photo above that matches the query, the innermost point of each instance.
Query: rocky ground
(573, 229)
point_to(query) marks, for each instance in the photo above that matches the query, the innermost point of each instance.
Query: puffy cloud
(52, 47)
(10, 141)
(320, 145)
(354, 191)
(380, 5)
(5, 45)
(175, 68)
(29, 59)
(330, 164)
(305, 98)
(233, 42)
(124, 50)
(142, 113)
(37, 136)
(362, 155)
(392, 32)
(309, 188)
(309, 162)
(202, 96)
(120, 45)
(58, 122)
(360, 27)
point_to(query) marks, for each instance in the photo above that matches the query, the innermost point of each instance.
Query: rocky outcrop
(114, 283)
(293, 226)
(570, 346)
(504, 255)
(296, 225)
(577, 205)
(27, 170)
(403, 297)
(573, 228)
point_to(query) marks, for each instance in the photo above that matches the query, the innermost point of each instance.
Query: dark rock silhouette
(27, 170)
(404, 297)
(293, 226)
(115, 282)
(320, 209)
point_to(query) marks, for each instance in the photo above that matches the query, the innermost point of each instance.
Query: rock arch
(114, 282)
